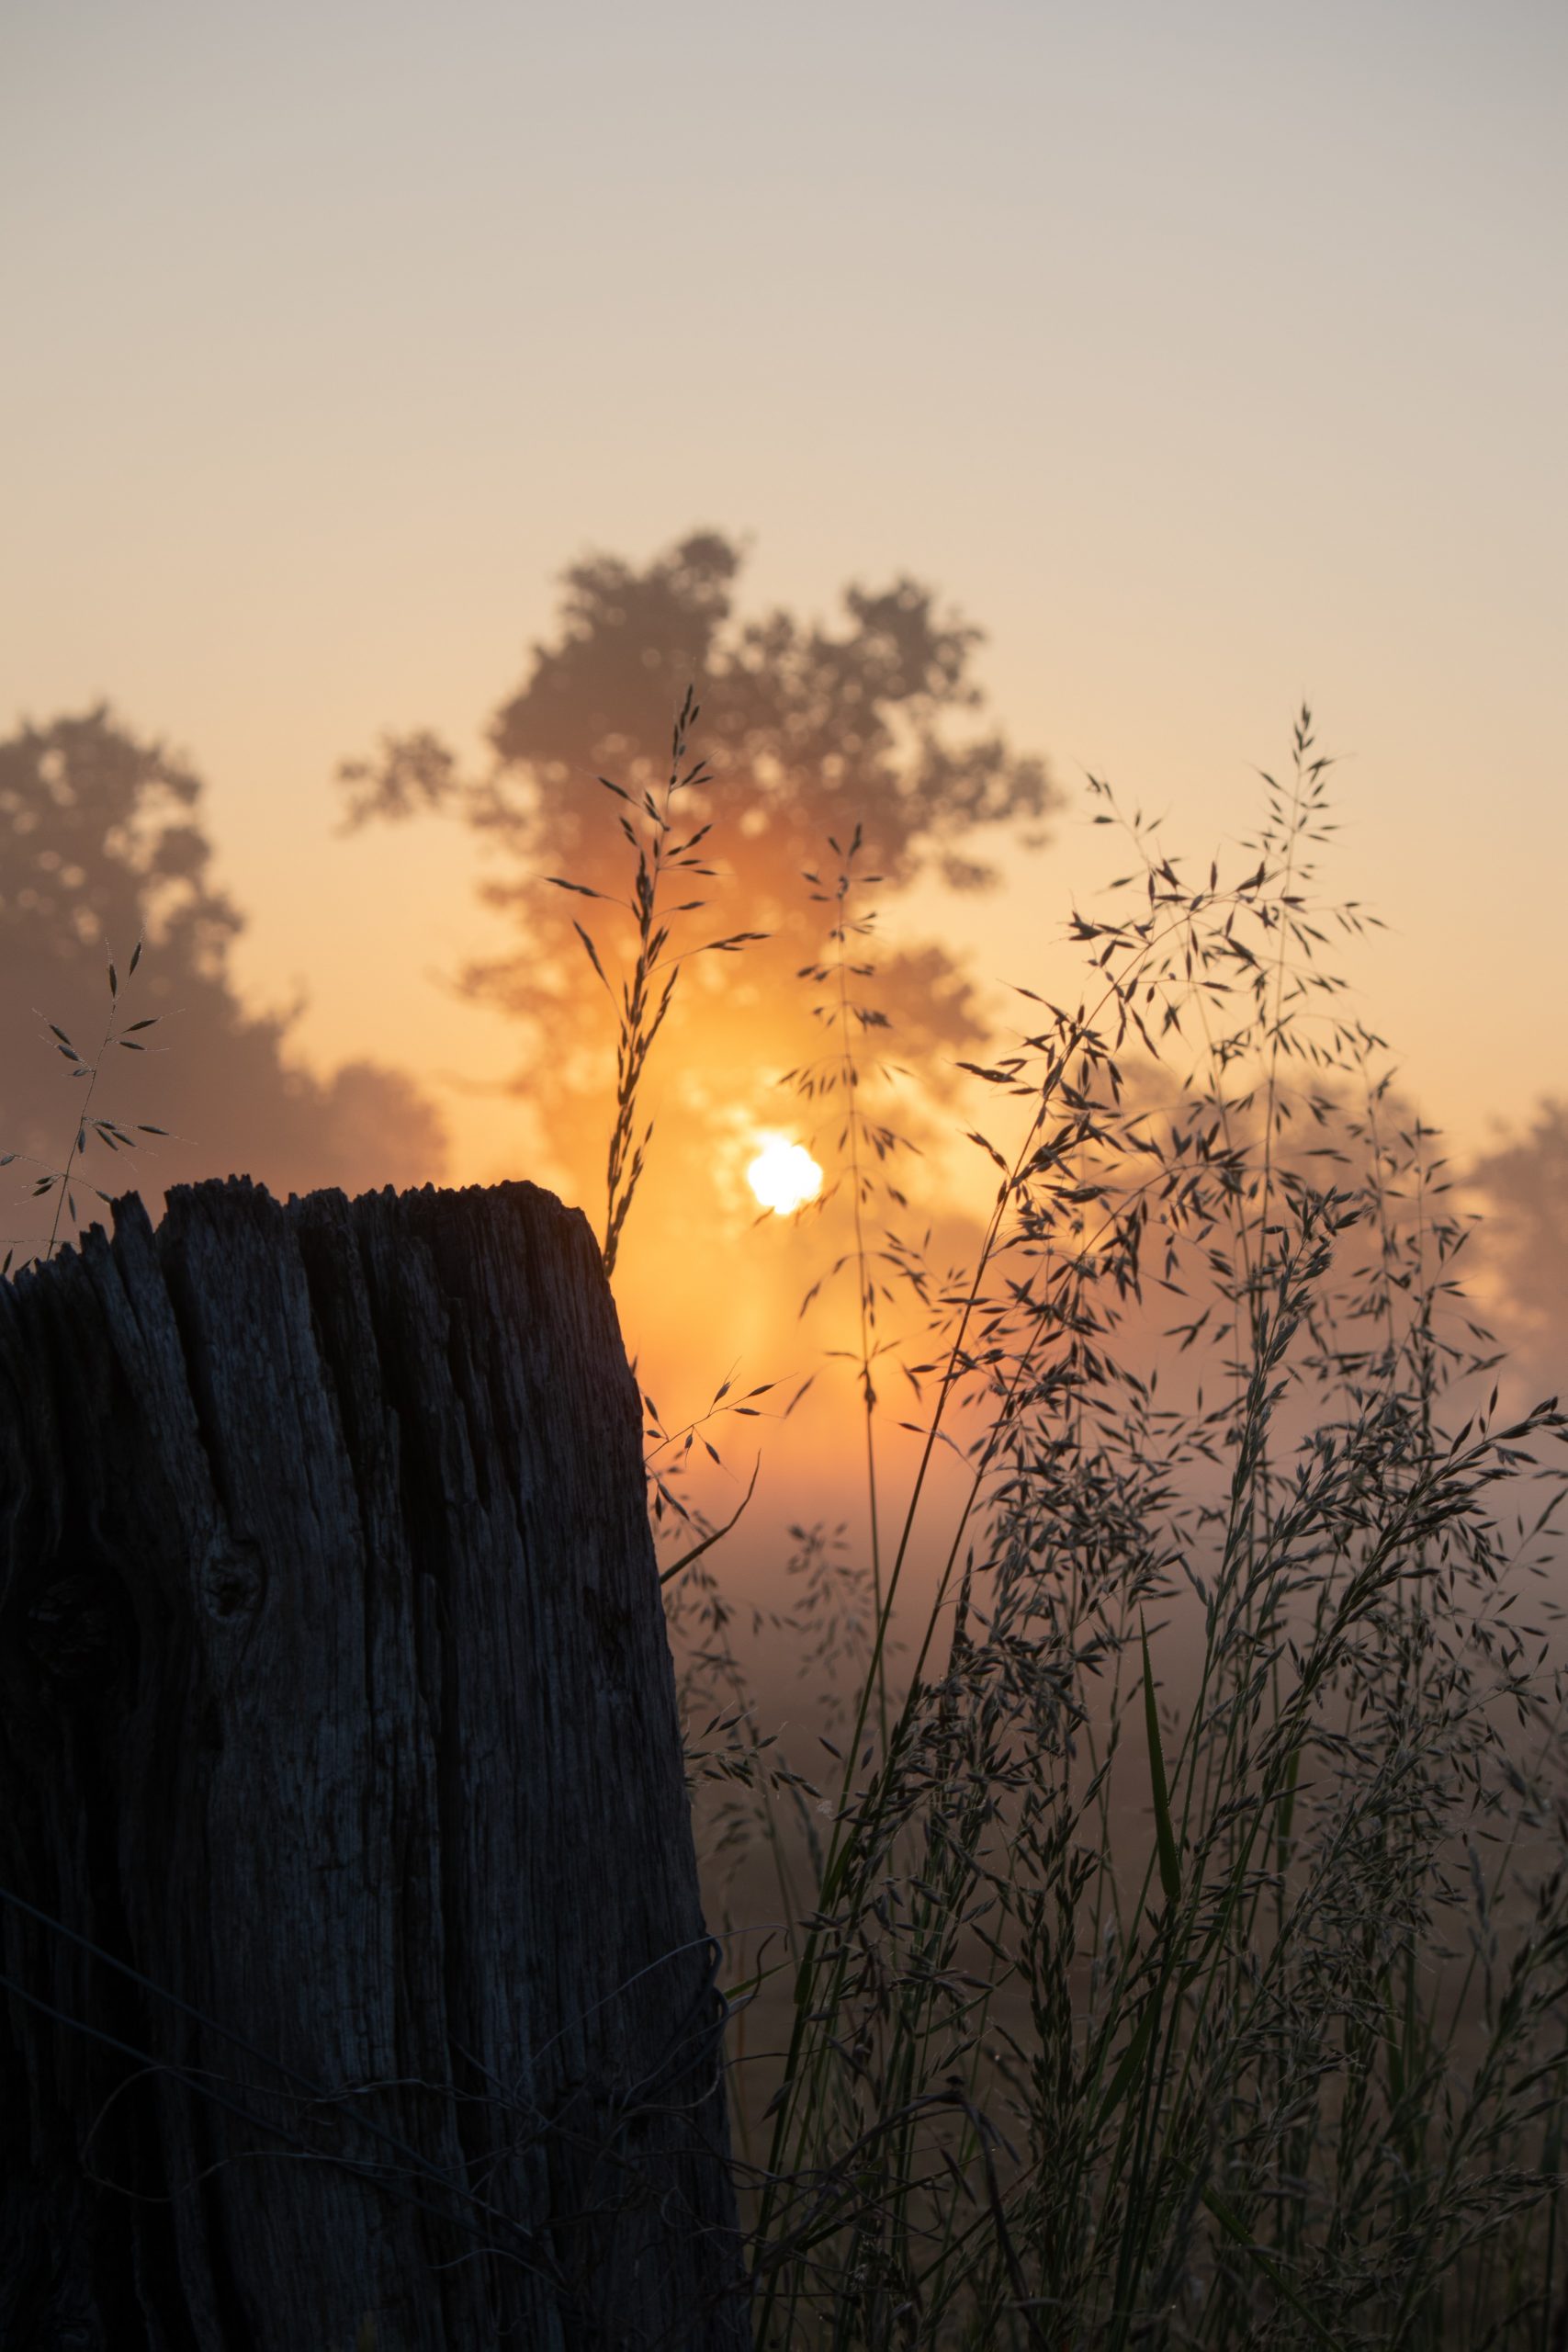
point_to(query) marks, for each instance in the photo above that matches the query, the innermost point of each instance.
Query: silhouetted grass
(647, 987)
(1180, 1956)
(89, 1129)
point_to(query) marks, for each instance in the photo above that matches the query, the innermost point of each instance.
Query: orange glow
(784, 1175)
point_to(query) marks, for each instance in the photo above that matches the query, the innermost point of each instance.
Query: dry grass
(1180, 1956)
(91, 1131)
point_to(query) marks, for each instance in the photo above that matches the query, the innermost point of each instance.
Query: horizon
(1199, 432)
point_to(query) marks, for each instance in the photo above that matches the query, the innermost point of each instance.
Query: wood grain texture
(335, 1703)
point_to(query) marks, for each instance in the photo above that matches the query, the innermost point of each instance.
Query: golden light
(784, 1175)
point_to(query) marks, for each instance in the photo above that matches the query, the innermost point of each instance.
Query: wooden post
(355, 1989)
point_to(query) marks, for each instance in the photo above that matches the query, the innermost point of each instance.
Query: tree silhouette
(103, 846)
(1522, 1241)
(807, 733)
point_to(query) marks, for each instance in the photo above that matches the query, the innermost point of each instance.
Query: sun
(784, 1175)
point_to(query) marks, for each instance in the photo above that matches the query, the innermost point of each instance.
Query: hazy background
(1207, 357)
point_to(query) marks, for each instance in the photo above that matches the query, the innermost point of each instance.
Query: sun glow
(784, 1175)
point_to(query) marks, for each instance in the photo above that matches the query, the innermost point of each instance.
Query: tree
(105, 845)
(807, 733)
(1523, 1241)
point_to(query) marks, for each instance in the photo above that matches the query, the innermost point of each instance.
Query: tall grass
(90, 1130)
(649, 979)
(1180, 1957)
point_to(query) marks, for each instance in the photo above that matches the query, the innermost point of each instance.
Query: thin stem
(865, 1300)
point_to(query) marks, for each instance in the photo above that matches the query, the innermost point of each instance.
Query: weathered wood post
(352, 1960)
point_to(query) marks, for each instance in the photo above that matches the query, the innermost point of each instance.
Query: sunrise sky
(1209, 357)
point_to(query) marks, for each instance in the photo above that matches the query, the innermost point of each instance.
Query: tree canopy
(1522, 1242)
(104, 844)
(807, 731)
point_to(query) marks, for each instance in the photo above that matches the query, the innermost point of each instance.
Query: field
(1158, 1933)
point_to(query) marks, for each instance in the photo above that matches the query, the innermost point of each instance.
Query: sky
(1210, 356)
